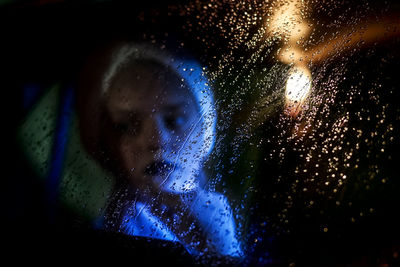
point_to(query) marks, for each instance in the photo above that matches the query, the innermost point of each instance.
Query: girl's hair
(192, 74)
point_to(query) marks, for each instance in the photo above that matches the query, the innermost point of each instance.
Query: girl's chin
(140, 182)
(176, 182)
(148, 183)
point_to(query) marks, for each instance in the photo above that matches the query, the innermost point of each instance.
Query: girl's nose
(154, 135)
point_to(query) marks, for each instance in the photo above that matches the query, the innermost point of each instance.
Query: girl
(149, 118)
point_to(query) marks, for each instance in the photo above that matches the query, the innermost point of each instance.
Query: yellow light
(298, 86)
(285, 17)
(287, 21)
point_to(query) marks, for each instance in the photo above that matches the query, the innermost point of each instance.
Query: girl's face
(153, 128)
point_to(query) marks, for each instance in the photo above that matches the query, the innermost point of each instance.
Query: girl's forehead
(145, 85)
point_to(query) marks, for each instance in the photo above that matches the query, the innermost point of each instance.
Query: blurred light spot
(298, 87)
(288, 21)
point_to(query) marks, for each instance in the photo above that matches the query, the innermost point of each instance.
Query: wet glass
(248, 133)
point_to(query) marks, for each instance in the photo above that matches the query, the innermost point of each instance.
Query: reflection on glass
(155, 127)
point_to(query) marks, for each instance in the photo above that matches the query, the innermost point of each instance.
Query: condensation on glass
(265, 128)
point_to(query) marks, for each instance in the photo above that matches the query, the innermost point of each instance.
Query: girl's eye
(174, 122)
(121, 127)
(127, 128)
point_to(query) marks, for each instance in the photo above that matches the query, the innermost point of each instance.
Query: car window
(210, 132)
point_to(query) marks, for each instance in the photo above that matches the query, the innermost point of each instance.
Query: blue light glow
(195, 77)
(59, 149)
(211, 210)
(214, 216)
